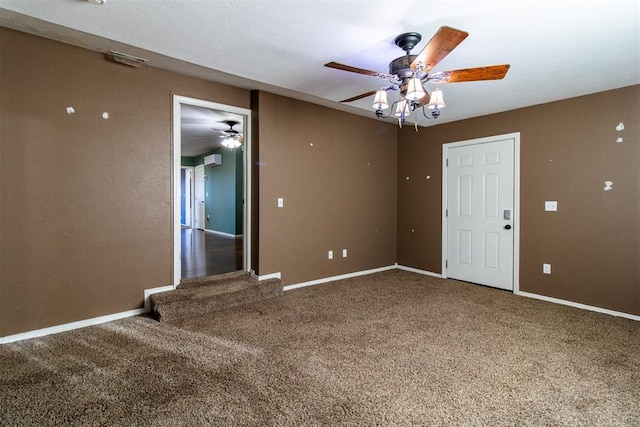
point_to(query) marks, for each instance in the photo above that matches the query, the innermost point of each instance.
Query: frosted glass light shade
(380, 101)
(231, 143)
(437, 100)
(414, 89)
(402, 108)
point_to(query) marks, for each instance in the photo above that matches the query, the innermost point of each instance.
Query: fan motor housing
(401, 67)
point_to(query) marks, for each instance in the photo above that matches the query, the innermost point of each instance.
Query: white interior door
(480, 213)
(188, 196)
(199, 197)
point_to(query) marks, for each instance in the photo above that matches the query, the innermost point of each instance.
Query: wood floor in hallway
(205, 253)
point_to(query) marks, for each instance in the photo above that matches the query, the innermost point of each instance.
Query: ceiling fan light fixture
(414, 89)
(402, 109)
(231, 143)
(408, 73)
(380, 102)
(437, 100)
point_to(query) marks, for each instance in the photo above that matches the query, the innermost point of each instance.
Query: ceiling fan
(408, 74)
(232, 138)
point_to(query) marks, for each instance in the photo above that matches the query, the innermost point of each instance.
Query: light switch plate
(551, 205)
(280, 202)
(546, 268)
(344, 253)
(330, 255)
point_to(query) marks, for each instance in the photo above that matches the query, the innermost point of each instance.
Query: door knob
(507, 227)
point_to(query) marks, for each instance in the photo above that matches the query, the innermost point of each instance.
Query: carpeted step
(202, 295)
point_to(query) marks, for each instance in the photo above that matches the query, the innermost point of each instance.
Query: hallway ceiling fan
(408, 74)
(232, 137)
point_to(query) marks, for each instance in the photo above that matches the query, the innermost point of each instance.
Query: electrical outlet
(551, 205)
(546, 268)
(344, 253)
(330, 255)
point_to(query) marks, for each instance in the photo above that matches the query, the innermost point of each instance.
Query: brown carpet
(200, 296)
(393, 348)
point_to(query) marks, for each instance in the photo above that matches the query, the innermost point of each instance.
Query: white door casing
(179, 100)
(480, 211)
(199, 197)
(187, 196)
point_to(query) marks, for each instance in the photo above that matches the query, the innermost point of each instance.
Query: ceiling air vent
(130, 60)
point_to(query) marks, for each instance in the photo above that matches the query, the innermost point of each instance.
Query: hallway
(206, 253)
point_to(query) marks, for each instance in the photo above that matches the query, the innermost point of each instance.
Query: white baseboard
(149, 292)
(415, 270)
(340, 277)
(87, 322)
(222, 233)
(70, 326)
(268, 276)
(578, 305)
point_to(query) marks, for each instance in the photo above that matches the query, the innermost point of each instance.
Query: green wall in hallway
(223, 190)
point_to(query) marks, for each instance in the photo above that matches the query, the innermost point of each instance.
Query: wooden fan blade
(355, 69)
(355, 98)
(494, 72)
(440, 45)
(425, 99)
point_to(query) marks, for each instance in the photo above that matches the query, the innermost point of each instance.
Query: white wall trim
(222, 233)
(149, 292)
(268, 276)
(516, 198)
(71, 326)
(578, 305)
(88, 322)
(191, 204)
(415, 270)
(177, 151)
(340, 277)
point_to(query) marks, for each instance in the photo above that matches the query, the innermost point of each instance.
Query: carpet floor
(392, 348)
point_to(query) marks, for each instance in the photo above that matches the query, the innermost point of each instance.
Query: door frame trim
(204, 213)
(175, 199)
(192, 169)
(515, 136)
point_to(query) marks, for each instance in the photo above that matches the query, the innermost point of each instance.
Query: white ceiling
(557, 49)
(202, 129)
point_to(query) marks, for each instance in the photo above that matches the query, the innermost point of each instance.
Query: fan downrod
(231, 123)
(407, 41)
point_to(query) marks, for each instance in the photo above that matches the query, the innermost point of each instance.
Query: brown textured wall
(86, 217)
(568, 150)
(337, 175)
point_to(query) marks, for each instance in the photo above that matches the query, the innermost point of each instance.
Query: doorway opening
(481, 211)
(211, 185)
